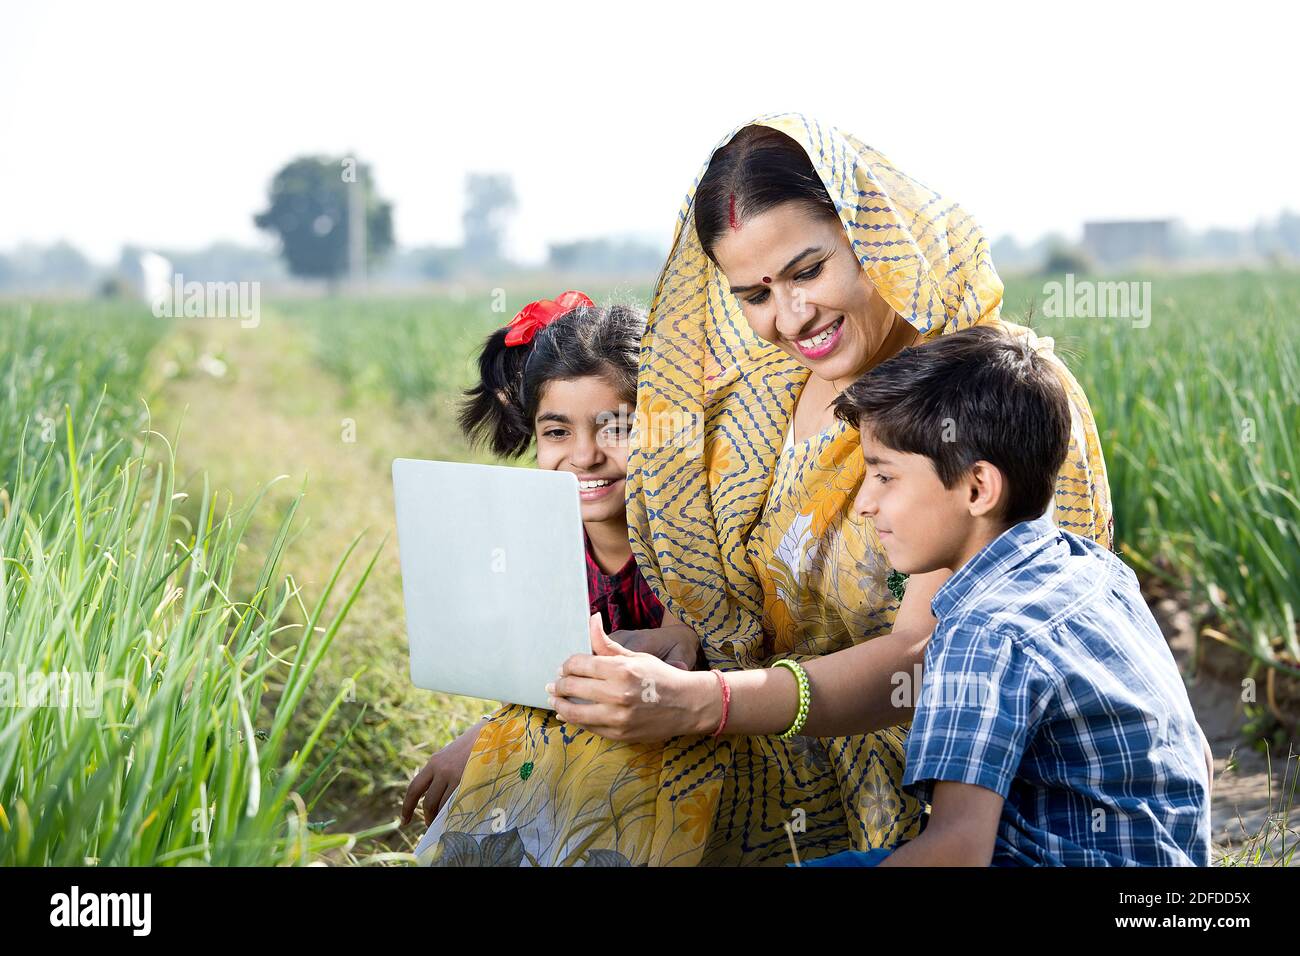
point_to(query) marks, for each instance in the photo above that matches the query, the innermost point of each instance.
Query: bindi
(767, 280)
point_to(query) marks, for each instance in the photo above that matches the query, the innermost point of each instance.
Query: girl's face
(801, 288)
(582, 426)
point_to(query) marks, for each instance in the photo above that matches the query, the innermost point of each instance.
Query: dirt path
(254, 406)
(1250, 788)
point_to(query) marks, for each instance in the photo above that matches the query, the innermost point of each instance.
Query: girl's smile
(596, 489)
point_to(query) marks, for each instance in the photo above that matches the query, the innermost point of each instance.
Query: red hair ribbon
(535, 316)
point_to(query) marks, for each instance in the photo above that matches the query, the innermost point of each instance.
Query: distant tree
(437, 262)
(114, 287)
(309, 212)
(489, 201)
(1066, 259)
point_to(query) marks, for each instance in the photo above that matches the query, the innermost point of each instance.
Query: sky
(161, 124)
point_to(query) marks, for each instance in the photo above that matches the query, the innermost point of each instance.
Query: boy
(1052, 726)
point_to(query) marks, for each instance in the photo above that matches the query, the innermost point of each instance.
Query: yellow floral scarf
(757, 549)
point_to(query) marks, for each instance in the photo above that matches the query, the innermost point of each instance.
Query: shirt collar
(1007, 550)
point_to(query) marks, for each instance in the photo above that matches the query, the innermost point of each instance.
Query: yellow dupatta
(712, 504)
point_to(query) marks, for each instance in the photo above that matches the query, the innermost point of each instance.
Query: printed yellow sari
(755, 546)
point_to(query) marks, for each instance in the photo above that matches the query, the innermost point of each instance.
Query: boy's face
(582, 426)
(922, 525)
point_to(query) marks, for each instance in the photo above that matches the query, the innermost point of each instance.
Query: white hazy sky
(162, 123)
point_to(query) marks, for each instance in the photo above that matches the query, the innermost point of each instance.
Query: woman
(801, 259)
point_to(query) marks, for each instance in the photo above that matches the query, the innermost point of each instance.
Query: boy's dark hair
(589, 340)
(979, 394)
(760, 167)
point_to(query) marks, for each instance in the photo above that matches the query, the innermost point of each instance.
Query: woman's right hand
(633, 696)
(440, 776)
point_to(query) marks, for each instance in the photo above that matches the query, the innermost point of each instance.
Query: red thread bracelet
(726, 702)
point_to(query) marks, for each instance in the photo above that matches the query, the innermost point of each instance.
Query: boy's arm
(962, 830)
(983, 698)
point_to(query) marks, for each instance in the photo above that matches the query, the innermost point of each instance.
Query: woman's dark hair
(589, 340)
(758, 169)
(978, 394)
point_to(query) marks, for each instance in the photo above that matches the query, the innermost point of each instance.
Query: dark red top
(624, 599)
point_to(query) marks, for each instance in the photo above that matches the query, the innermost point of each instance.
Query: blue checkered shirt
(1048, 681)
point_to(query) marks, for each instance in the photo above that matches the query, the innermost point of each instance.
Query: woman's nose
(792, 312)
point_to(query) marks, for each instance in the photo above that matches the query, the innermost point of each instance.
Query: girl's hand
(440, 776)
(677, 645)
(633, 697)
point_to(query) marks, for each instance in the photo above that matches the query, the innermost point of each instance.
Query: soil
(1253, 779)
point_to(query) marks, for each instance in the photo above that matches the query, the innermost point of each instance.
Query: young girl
(563, 374)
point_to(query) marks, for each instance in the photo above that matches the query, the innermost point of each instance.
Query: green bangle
(805, 697)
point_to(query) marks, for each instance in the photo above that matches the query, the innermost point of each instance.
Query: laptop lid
(494, 576)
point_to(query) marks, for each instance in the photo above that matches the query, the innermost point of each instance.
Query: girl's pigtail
(492, 412)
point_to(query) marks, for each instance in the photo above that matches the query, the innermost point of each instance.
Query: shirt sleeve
(981, 696)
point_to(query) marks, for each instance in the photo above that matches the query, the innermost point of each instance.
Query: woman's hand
(440, 776)
(633, 696)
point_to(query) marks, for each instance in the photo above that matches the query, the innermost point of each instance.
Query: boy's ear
(985, 488)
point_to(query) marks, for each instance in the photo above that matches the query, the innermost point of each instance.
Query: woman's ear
(985, 485)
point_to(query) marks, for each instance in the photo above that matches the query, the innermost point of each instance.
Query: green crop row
(145, 703)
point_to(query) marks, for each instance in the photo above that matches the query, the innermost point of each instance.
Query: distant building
(1119, 243)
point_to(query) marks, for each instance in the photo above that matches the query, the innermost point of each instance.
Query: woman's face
(800, 287)
(582, 427)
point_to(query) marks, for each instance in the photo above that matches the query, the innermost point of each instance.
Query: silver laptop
(493, 575)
